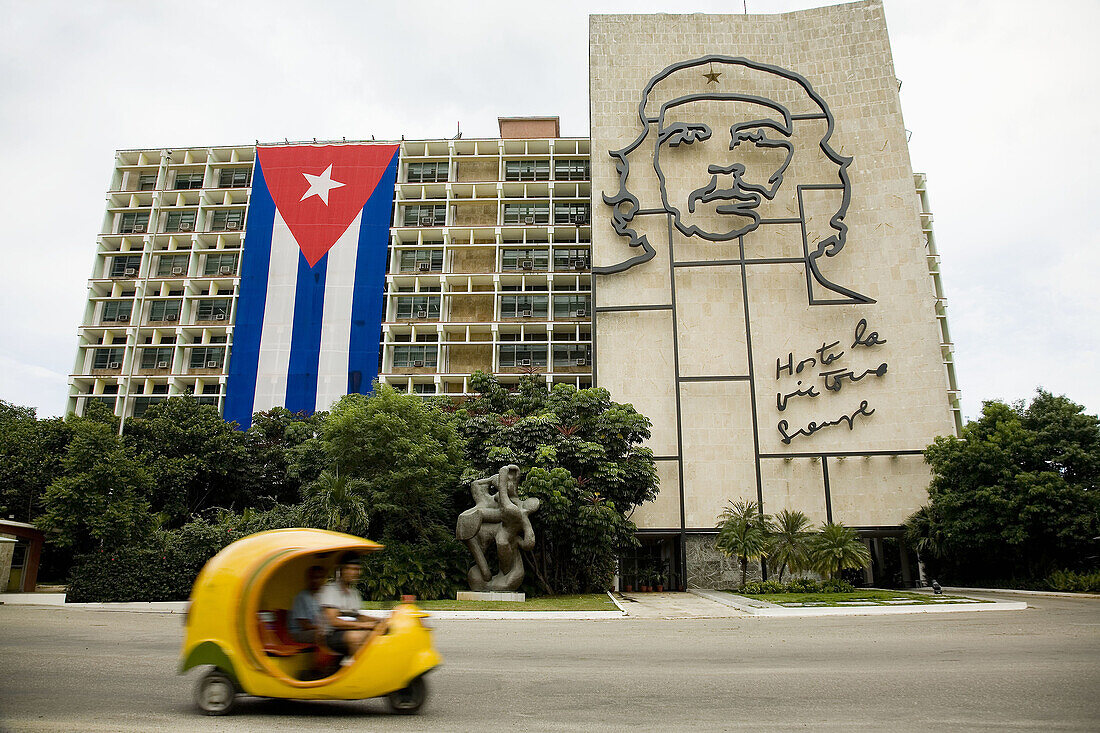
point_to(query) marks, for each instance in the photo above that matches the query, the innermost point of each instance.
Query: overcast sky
(1001, 98)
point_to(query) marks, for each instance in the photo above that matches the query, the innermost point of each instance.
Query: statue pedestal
(475, 595)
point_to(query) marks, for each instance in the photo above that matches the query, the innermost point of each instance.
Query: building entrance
(654, 564)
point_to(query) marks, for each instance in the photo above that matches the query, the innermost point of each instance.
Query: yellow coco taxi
(236, 622)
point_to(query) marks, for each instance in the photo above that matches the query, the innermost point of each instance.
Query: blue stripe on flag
(240, 393)
(305, 339)
(370, 278)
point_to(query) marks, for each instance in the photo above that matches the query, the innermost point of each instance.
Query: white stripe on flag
(282, 280)
(332, 366)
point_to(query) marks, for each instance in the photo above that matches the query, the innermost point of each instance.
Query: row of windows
(539, 170)
(511, 355)
(435, 215)
(227, 178)
(511, 306)
(206, 309)
(160, 357)
(220, 263)
(224, 220)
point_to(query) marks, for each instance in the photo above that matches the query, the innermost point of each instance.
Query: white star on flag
(320, 185)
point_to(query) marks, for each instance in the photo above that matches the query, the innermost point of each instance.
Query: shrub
(837, 586)
(803, 585)
(1071, 581)
(434, 568)
(799, 585)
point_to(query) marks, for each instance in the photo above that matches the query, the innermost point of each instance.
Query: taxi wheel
(215, 694)
(409, 700)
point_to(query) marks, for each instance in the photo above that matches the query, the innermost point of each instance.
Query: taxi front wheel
(215, 693)
(408, 700)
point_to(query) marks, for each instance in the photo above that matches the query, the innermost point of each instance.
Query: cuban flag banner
(309, 312)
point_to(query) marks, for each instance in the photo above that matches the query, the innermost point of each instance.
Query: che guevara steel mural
(741, 121)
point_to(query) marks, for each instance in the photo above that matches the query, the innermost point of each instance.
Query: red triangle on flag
(301, 178)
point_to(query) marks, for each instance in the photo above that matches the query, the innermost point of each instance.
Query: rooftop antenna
(745, 6)
(458, 135)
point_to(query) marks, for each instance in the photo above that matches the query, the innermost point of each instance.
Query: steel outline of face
(747, 193)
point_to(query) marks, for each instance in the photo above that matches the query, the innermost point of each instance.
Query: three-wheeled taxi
(236, 622)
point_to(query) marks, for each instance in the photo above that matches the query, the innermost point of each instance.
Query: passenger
(347, 627)
(306, 622)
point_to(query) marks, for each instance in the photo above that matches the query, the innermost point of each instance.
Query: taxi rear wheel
(408, 700)
(216, 693)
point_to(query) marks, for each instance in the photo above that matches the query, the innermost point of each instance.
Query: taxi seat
(276, 638)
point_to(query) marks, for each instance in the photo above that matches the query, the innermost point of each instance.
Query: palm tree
(837, 547)
(743, 533)
(335, 502)
(789, 543)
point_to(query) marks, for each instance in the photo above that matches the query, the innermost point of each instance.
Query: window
(428, 172)
(107, 358)
(125, 266)
(234, 178)
(172, 265)
(227, 220)
(165, 310)
(570, 258)
(211, 389)
(220, 264)
(133, 222)
(159, 357)
(524, 259)
(415, 356)
(527, 170)
(108, 401)
(517, 355)
(572, 355)
(424, 388)
(117, 311)
(527, 213)
(141, 404)
(571, 170)
(422, 260)
(147, 182)
(418, 306)
(213, 309)
(571, 306)
(571, 213)
(425, 215)
(180, 221)
(185, 181)
(207, 357)
(520, 306)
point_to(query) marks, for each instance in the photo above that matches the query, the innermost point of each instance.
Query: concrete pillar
(906, 573)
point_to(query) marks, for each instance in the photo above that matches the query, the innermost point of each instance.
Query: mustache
(711, 192)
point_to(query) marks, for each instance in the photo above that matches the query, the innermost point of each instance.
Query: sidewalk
(753, 607)
(672, 605)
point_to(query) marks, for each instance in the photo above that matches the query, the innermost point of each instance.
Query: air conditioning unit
(172, 317)
(427, 221)
(124, 318)
(225, 270)
(234, 224)
(581, 313)
(422, 314)
(177, 270)
(527, 264)
(114, 365)
(424, 266)
(139, 228)
(527, 314)
(579, 219)
(162, 365)
(581, 362)
(579, 265)
(212, 365)
(185, 226)
(524, 362)
(528, 220)
(418, 363)
(219, 316)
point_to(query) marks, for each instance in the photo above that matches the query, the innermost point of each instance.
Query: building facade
(741, 250)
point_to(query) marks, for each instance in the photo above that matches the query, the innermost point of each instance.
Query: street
(82, 670)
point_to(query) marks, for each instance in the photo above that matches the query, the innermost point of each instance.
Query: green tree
(335, 502)
(30, 459)
(837, 547)
(743, 533)
(197, 460)
(581, 454)
(283, 453)
(100, 501)
(789, 542)
(1016, 496)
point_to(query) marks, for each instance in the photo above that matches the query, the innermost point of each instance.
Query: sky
(1001, 98)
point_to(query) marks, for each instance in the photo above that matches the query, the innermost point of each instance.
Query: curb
(733, 601)
(1051, 593)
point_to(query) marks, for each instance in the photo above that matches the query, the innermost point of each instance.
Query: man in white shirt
(347, 627)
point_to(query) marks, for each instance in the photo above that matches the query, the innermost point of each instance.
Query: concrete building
(765, 284)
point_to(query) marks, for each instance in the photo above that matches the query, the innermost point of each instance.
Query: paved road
(64, 669)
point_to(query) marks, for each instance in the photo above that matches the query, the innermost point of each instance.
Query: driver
(340, 602)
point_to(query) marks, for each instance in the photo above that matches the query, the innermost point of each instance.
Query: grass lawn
(859, 597)
(585, 602)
